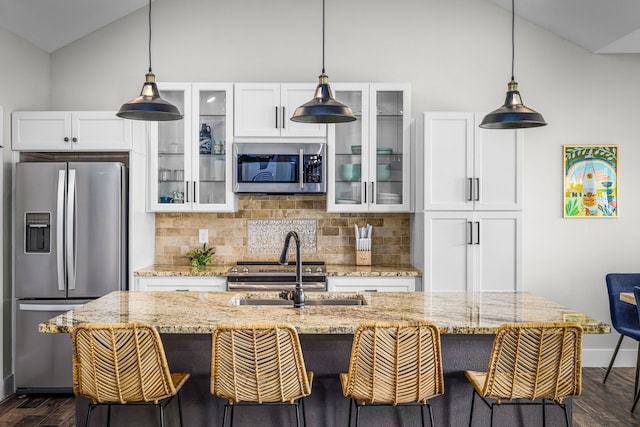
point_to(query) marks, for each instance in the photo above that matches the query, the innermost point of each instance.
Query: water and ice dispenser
(38, 232)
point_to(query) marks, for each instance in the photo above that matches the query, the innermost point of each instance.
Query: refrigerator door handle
(71, 220)
(48, 307)
(60, 229)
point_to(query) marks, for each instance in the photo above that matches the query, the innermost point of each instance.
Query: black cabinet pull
(195, 200)
(186, 191)
(373, 192)
(469, 233)
(74, 139)
(477, 189)
(66, 139)
(477, 233)
(276, 117)
(283, 118)
(470, 188)
(365, 192)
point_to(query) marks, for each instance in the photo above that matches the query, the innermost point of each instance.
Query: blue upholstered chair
(636, 292)
(624, 316)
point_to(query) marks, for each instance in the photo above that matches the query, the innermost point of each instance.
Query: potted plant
(200, 257)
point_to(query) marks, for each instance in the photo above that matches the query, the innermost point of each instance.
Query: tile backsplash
(256, 232)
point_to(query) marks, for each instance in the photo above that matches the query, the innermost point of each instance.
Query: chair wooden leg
(613, 358)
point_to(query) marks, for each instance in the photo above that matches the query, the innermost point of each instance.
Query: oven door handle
(301, 169)
(274, 286)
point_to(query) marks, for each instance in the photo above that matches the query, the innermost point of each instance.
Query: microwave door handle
(71, 222)
(301, 169)
(62, 177)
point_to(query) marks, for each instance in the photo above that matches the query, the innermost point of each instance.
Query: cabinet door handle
(470, 190)
(283, 118)
(66, 139)
(469, 233)
(365, 191)
(276, 117)
(186, 191)
(370, 290)
(300, 166)
(195, 200)
(477, 189)
(373, 192)
(74, 139)
(477, 233)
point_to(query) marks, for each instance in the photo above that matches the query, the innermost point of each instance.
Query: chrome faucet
(297, 295)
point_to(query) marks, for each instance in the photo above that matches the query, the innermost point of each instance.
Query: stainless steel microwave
(279, 168)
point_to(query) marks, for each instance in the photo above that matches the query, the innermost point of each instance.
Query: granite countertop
(333, 270)
(200, 312)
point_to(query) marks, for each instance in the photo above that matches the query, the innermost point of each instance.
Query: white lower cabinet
(472, 251)
(180, 283)
(371, 284)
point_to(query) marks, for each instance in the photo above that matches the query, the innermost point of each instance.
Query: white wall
(24, 84)
(456, 55)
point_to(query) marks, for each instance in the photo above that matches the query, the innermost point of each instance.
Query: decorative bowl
(350, 171)
(383, 171)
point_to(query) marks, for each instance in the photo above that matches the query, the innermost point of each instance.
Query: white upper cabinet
(189, 159)
(473, 251)
(369, 168)
(69, 130)
(469, 168)
(265, 110)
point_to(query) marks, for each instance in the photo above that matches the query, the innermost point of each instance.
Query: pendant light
(323, 108)
(513, 114)
(149, 105)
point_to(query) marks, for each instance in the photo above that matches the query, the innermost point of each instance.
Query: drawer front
(198, 284)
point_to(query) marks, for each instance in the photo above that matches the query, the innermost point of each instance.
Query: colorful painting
(590, 181)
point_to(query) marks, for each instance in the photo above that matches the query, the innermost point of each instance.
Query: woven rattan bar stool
(394, 363)
(258, 364)
(121, 364)
(531, 361)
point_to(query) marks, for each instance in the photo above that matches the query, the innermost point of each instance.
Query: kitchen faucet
(297, 295)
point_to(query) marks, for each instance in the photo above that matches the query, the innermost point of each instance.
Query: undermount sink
(352, 300)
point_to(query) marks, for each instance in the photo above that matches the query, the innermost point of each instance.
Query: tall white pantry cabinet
(471, 216)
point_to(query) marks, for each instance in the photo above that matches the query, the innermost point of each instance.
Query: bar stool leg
(91, 406)
(357, 415)
(108, 415)
(304, 415)
(161, 415)
(544, 418)
(224, 414)
(297, 414)
(473, 399)
(179, 408)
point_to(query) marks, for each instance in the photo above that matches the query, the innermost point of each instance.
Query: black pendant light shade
(513, 114)
(149, 105)
(323, 108)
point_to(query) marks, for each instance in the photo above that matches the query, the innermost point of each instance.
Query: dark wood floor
(599, 405)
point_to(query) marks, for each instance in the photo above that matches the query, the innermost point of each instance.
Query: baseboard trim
(596, 358)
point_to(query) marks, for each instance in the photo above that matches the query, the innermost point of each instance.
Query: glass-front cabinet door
(189, 169)
(349, 147)
(213, 126)
(370, 170)
(390, 140)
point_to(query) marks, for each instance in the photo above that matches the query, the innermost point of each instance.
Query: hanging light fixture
(513, 114)
(149, 105)
(323, 108)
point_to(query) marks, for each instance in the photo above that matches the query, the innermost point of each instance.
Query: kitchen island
(467, 322)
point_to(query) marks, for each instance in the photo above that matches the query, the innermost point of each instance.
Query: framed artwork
(590, 181)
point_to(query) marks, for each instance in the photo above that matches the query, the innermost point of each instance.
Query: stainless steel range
(271, 276)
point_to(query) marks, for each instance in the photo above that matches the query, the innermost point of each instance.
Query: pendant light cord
(322, 36)
(513, 37)
(149, 35)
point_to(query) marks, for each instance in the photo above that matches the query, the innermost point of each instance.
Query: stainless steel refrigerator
(69, 247)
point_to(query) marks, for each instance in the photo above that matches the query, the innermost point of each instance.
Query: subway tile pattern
(177, 232)
(267, 236)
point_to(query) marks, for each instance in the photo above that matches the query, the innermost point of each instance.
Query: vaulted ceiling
(600, 26)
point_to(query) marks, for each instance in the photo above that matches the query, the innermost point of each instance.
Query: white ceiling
(600, 26)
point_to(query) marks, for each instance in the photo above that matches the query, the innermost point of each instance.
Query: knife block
(363, 257)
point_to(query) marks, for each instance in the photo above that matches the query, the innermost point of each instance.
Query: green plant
(200, 257)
